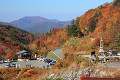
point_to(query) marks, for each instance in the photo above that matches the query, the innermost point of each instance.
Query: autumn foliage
(11, 55)
(51, 40)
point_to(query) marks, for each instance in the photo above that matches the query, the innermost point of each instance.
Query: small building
(24, 55)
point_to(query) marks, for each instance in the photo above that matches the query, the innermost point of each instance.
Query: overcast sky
(63, 10)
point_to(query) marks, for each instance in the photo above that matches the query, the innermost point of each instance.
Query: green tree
(101, 7)
(116, 2)
(92, 25)
(73, 22)
(62, 41)
(38, 44)
(74, 30)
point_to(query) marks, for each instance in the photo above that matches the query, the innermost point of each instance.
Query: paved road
(89, 56)
(58, 52)
(34, 63)
(111, 65)
(49, 57)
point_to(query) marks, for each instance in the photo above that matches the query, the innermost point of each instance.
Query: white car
(118, 54)
(40, 58)
(1, 62)
(7, 60)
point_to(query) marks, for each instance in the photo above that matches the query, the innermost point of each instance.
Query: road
(34, 63)
(115, 65)
(89, 56)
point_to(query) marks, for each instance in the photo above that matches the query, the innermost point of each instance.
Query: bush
(9, 73)
(62, 41)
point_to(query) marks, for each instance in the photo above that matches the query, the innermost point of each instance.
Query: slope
(85, 33)
(12, 38)
(103, 21)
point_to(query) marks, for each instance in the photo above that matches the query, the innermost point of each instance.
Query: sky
(62, 10)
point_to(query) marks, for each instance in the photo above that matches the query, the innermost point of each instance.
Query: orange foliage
(49, 42)
(11, 55)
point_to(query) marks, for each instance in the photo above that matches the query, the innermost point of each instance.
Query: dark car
(52, 62)
(48, 60)
(28, 65)
(13, 60)
(13, 65)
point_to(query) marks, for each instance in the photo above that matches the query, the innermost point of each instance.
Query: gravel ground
(111, 65)
(33, 63)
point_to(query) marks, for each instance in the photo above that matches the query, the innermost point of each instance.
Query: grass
(53, 56)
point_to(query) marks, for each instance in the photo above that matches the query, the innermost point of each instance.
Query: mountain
(36, 23)
(26, 22)
(12, 38)
(46, 26)
(4, 23)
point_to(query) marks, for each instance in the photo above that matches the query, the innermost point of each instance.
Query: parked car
(7, 61)
(118, 54)
(28, 65)
(48, 60)
(13, 65)
(7, 65)
(53, 63)
(40, 58)
(13, 60)
(0, 62)
(112, 52)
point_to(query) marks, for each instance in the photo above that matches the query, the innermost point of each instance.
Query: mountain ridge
(37, 23)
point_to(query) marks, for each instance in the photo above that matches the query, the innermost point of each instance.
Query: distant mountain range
(5, 23)
(37, 23)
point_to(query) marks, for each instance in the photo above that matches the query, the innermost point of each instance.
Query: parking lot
(33, 63)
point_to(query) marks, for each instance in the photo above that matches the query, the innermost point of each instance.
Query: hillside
(103, 21)
(49, 41)
(12, 38)
(84, 34)
(38, 34)
(36, 24)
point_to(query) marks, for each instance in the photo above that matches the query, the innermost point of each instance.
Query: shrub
(62, 41)
(9, 73)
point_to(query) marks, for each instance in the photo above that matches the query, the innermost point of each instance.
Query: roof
(93, 78)
(23, 51)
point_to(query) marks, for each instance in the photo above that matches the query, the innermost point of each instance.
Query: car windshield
(7, 64)
(54, 61)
